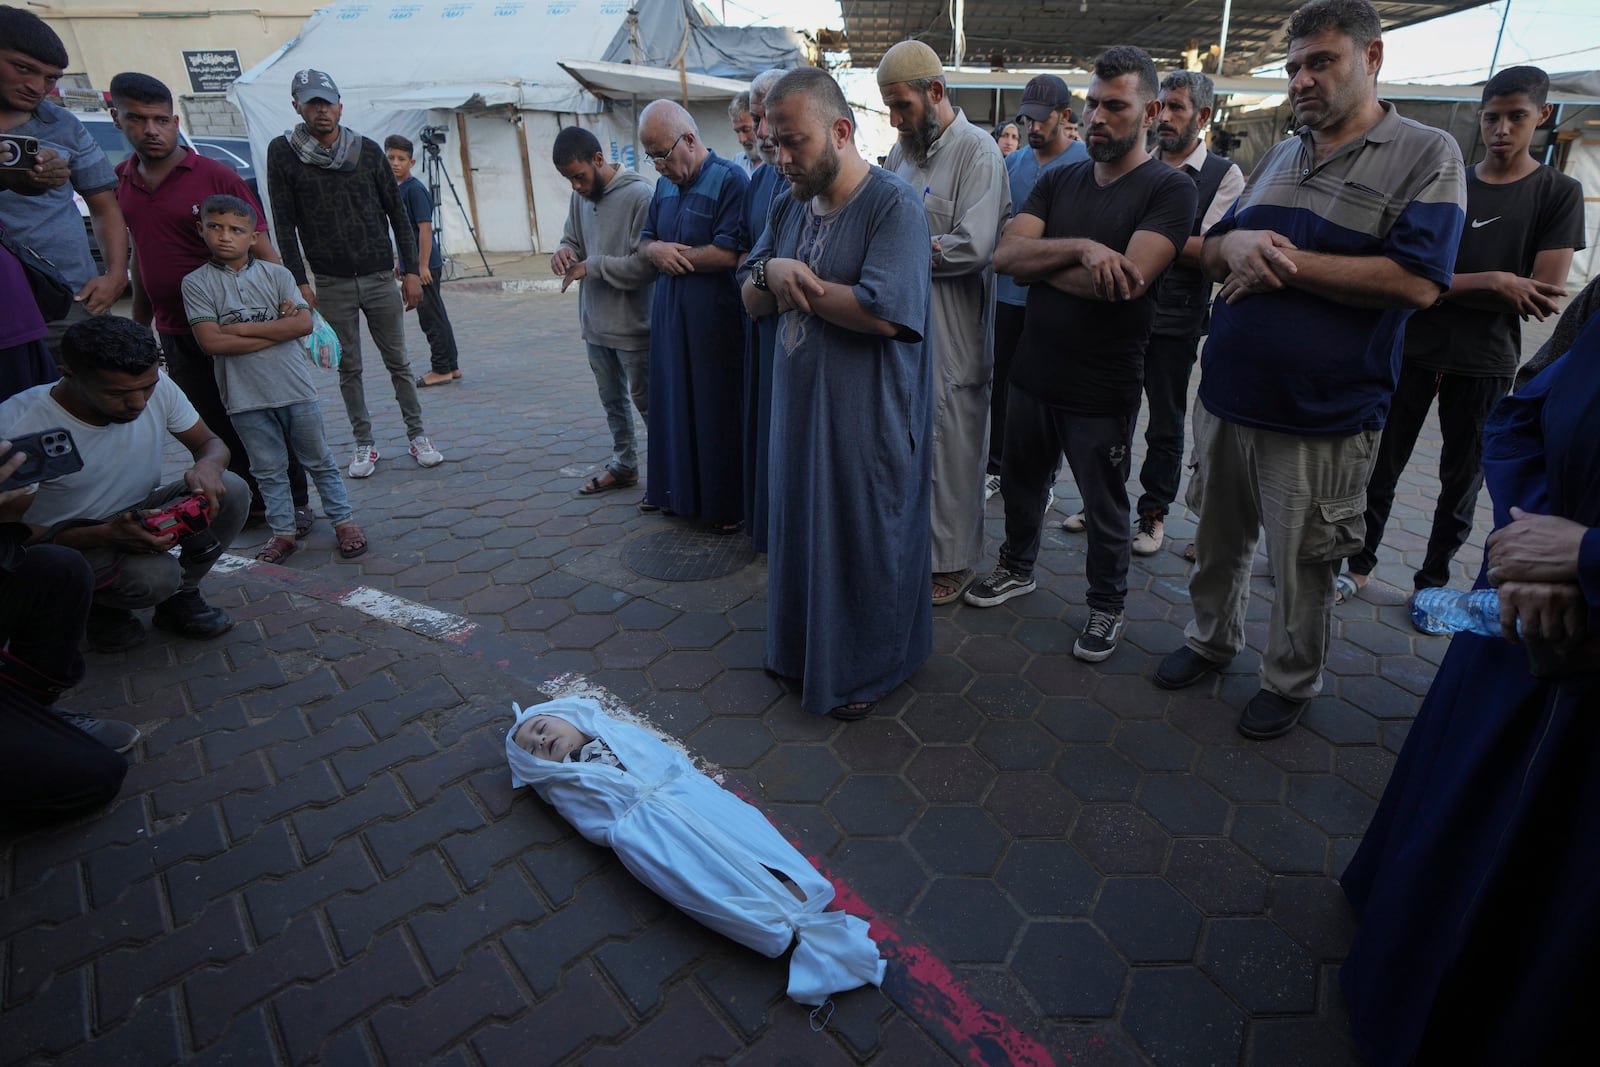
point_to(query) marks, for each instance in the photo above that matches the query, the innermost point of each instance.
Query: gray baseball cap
(311, 85)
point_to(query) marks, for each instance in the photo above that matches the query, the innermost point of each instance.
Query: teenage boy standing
(435, 322)
(1524, 221)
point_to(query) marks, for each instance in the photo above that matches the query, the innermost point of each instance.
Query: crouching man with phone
(119, 408)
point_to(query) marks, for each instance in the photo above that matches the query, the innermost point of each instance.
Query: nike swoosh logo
(1476, 223)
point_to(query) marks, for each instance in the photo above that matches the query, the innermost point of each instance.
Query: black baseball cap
(312, 85)
(1044, 93)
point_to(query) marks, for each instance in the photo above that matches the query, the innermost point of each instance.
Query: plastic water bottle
(1452, 611)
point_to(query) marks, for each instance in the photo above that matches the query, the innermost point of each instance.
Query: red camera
(190, 520)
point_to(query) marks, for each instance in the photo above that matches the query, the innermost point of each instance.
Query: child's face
(229, 236)
(400, 163)
(549, 737)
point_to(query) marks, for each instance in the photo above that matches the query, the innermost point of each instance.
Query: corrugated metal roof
(1070, 33)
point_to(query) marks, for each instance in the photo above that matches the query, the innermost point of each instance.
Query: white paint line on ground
(386, 607)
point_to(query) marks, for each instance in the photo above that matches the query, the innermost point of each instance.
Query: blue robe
(1478, 882)
(851, 467)
(761, 337)
(697, 351)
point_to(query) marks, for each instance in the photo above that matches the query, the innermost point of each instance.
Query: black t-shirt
(1507, 227)
(1087, 356)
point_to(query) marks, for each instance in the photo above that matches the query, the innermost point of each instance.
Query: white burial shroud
(700, 847)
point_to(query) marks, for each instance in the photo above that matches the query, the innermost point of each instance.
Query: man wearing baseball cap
(1045, 112)
(957, 170)
(333, 194)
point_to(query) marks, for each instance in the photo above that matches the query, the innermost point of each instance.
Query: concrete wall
(105, 37)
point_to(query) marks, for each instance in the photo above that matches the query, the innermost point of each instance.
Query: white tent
(489, 72)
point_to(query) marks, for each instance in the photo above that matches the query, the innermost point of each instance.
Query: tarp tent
(489, 72)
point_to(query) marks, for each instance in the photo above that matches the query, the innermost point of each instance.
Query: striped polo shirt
(1300, 363)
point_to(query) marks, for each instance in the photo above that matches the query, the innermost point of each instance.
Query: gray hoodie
(614, 299)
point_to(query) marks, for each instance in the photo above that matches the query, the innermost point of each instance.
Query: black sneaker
(1270, 715)
(115, 734)
(187, 613)
(1099, 639)
(999, 587)
(113, 629)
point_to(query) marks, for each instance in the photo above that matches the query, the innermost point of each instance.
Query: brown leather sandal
(277, 550)
(352, 541)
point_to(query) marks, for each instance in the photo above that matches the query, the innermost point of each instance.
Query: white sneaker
(364, 462)
(424, 453)
(1074, 523)
(991, 486)
(1148, 534)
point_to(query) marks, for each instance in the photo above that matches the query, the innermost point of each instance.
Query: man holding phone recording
(119, 409)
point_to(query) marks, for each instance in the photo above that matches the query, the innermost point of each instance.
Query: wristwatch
(758, 274)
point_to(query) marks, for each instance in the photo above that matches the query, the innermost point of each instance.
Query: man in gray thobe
(957, 170)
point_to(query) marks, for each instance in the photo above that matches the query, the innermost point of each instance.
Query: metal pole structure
(1222, 45)
(958, 34)
(1494, 60)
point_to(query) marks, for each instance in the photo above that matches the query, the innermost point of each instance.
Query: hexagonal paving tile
(1218, 876)
(878, 805)
(1178, 1017)
(799, 773)
(886, 872)
(941, 674)
(537, 614)
(1147, 920)
(1120, 839)
(1183, 804)
(1048, 878)
(581, 631)
(1070, 969)
(942, 719)
(875, 744)
(1016, 746)
(684, 670)
(1260, 967)
(1284, 843)
(1155, 746)
(1077, 719)
(1031, 805)
(951, 774)
(743, 692)
(733, 742)
(967, 920)
(958, 840)
(630, 648)
(1001, 697)
(992, 655)
(1332, 804)
(699, 630)
(1096, 772)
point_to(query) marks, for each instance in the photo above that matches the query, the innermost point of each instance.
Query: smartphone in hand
(51, 454)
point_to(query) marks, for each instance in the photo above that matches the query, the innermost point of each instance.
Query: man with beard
(1045, 111)
(159, 189)
(1339, 235)
(961, 177)
(44, 217)
(1090, 242)
(760, 334)
(333, 194)
(600, 250)
(694, 235)
(843, 266)
(1182, 298)
(744, 129)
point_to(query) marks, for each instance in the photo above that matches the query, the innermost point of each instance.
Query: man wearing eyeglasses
(694, 235)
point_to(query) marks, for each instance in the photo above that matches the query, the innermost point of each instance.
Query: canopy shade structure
(622, 81)
(1070, 33)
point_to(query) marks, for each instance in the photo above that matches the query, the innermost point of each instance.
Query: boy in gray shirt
(252, 313)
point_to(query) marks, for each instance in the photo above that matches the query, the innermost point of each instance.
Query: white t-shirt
(121, 461)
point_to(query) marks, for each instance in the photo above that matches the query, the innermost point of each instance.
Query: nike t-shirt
(1507, 227)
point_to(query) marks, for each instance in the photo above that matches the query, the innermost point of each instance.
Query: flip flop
(1344, 589)
(304, 520)
(595, 485)
(423, 383)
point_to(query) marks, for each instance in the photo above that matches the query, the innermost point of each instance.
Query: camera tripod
(434, 169)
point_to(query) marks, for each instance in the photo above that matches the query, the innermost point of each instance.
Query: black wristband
(758, 274)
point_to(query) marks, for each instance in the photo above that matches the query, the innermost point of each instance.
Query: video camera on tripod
(434, 136)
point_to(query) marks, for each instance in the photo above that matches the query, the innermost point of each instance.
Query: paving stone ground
(318, 856)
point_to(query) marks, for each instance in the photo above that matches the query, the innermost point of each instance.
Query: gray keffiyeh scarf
(341, 156)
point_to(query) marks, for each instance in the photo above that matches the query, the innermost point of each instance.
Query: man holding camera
(119, 407)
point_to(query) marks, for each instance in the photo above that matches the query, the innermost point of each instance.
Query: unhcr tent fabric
(403, 65)
(703, 849)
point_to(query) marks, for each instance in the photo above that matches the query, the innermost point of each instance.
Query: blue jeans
(618, 374)
(268, 434)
